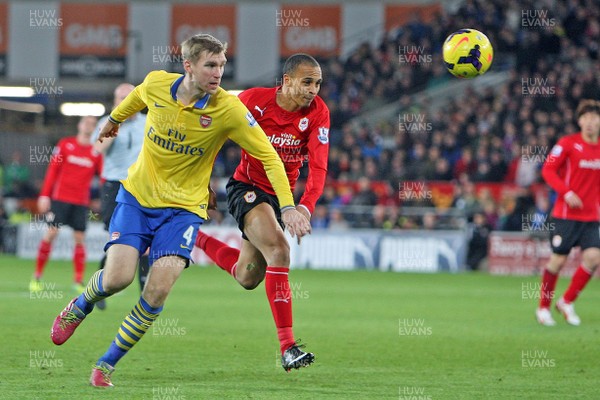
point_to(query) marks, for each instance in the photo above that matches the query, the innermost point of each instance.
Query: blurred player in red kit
(65, 196)
(573, 171)
(296, 122)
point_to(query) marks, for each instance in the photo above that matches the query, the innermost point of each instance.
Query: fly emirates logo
(590, 164)
(174, 142)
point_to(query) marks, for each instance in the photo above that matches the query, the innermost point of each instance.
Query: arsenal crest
(205, 121)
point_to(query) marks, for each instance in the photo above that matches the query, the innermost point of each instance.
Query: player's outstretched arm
(132, 104)
(295, 222)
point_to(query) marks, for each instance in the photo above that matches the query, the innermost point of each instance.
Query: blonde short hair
(192, 48)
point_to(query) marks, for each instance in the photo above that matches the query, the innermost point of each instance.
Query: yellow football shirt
(181, 143)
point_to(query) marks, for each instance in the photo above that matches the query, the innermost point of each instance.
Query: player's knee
(155, 295)
(249, 283)
(557, 261)
(591, 258)
(279, 254)
(51, 234)
(114, 284)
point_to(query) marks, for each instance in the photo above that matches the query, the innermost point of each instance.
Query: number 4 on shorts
(188, 235)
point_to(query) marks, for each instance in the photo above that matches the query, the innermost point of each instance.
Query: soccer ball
(467, 53)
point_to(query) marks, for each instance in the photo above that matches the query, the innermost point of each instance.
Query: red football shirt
(297, 137)
(70, 173)
(574, 165)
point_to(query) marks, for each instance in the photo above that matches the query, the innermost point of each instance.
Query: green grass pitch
(375, 336)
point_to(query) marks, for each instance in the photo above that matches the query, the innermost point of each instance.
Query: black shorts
(242, 197)
(61, 213)
(108, 194)
(566, 234)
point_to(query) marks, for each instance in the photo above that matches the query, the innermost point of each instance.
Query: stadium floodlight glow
(82, 109)
(16, 91)
(21, 106)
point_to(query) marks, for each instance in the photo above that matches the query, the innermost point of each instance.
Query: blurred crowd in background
(492, 135)
(497, 135)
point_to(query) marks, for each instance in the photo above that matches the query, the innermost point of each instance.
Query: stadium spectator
(168, 224)
(374, 171)
(465, 199)
(388, 196)
(490, 213)
(397, 169)
(379, 217)
(497, 167)
(478, 243)
(357, 169)
(433, 156)
(429, 221)
(17, 177)
(483, 172)
(522, 207)
(465, 164)
(232, 158)
(527, 167)
(364, 195)
(417, 162)
(330, 198)
(575, 25)
(442, 171)
(320, 217)
(337, 222)
(65, 198)
(541, 213)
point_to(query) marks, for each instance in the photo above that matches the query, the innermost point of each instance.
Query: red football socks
(276, 284)
(42, 258)
(224, 256)
(79, 262)
(547, 289)
(280, 300)
(581, 277)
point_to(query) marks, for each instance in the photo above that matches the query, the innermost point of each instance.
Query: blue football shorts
(166, 231)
